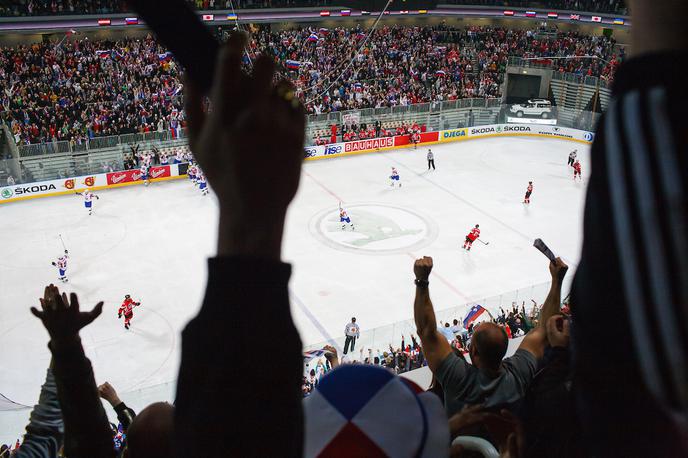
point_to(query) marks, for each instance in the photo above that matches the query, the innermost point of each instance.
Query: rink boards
(174, 171)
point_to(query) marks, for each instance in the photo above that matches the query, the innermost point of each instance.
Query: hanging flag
(575, 17)
(619, 21)
(103, 21)
(345, 12)
(596, 19)
(473, 315)
(232, 17)
(293, 64)
(552, 15)
(131, 21)
(208, 17)
(508, 13)
(324, 13)
(531, 14)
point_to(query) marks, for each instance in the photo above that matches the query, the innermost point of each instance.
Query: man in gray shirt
(489, 380)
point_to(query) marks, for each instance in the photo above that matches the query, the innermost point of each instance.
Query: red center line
(325, 188)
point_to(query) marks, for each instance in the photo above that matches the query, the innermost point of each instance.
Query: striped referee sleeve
(630, 293)
(649, 221)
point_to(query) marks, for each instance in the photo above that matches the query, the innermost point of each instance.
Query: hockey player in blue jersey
(344, 219)
(394, 178)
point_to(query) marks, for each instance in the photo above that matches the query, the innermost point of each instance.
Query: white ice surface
(153, 243)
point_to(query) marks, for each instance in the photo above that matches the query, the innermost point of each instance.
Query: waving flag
(165, 57)
(103, 54)
(313, 38)
(360, 36)
(358, 87)
(323, 31)
(473, 315)
(440, 73)
(293, 64)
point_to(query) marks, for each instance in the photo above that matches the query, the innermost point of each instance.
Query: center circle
(377, 229)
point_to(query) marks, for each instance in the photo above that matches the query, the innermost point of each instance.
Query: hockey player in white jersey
(394, 178)
(572, 157)
(61, 265)
(88, 200)
(144, 174)
(345, 219)
(203, 184)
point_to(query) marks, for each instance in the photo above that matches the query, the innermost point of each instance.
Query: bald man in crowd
(488, 379)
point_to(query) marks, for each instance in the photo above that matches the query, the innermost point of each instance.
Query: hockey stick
(484, 243)
(544, 249)
(63, 244)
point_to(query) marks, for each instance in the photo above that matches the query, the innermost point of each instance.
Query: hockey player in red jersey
(577, 170)
(471, 237)
(529, 191)
(127, 309)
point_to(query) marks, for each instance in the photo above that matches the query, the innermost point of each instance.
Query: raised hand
(61, 316)
(250, 145)
(422, 268)
(558, 269)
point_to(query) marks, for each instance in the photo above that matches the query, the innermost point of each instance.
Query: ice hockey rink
(152, 243)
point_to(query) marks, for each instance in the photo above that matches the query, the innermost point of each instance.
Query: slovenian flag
(440, 73)
(473, 315)
(103, 54)
(293, 64)
(313, 38)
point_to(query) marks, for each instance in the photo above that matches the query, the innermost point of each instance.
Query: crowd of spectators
(53, 7)
(79, 89)
(599, 6)
(620, 393)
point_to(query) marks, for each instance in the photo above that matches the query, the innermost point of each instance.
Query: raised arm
(87, 430)
(435, 345)
(536, 340)
(216, 409)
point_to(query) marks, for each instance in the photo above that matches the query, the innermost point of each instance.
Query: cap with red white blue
(363, 410)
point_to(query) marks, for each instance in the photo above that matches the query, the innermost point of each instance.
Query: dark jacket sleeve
(232, 406)
(45, 430)
(125, 415)
(87, 430)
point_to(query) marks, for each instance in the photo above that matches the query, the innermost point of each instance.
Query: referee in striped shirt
(630, 294)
